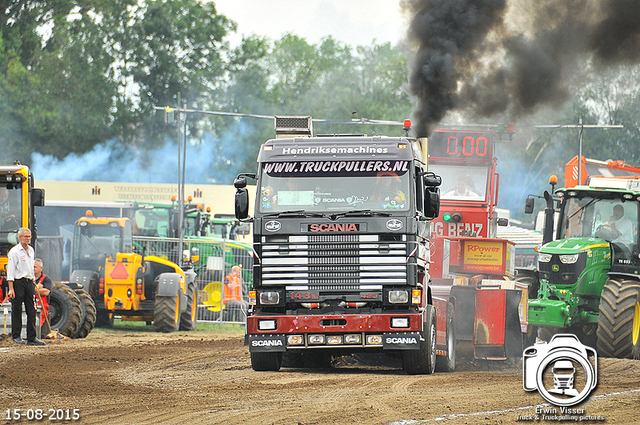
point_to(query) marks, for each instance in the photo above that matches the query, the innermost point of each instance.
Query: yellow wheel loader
(129, 284)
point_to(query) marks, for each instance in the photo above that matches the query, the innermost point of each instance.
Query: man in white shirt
(622, 225)
(20, 275)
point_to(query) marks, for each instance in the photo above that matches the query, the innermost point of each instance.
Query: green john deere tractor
(588, 278)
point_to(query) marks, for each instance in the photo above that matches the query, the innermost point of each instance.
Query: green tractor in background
(215, 237)
(588, 278)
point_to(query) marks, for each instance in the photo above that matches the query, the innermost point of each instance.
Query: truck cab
(341, 240)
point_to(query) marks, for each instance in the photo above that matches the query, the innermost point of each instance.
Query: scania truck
(341, 245)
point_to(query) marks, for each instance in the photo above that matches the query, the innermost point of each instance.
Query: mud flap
(168, 285)
(266, 343)
(402, 341)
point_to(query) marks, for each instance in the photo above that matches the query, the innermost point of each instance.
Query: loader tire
(104, 319)
(423, 360)
(188, 319)
(166, 314)
(65, 311)
(88, 314)
(619, 319)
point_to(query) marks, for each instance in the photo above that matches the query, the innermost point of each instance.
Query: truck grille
(334, 260)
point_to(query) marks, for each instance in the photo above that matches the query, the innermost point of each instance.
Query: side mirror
(529, 204)
(37, 197)
(242, 203)
(432, 202)
(503, 221)
(240, 182)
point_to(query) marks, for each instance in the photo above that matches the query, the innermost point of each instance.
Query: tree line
(75, 74)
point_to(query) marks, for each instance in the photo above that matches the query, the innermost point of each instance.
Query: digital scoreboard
(461, 144)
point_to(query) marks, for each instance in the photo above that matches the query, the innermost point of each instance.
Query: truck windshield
(609, 219)
(462, 182)
(330, 186)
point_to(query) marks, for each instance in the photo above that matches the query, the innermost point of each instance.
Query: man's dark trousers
(25, 290)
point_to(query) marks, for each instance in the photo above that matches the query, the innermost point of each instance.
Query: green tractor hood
(572, 273)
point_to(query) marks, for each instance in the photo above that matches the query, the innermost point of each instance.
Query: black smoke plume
(510, 57)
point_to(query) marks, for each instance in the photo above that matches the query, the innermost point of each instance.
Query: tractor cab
(97, 238)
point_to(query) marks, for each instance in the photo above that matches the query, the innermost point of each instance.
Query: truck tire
(188, 319)
(88, 319)
(448, 363)
(104, 319)
(266, 361)
(423, 360)
(65, 312)
(619, 319)
(166, 314)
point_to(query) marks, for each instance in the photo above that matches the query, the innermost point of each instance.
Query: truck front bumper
(344, 331)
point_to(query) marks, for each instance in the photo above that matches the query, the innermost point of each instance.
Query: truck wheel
(448, 363)
(88, 314)
(64, 309)
(166, 314)
(619, 319)
(188, 318)
(423, 360)
(104, 319)
(269, 361)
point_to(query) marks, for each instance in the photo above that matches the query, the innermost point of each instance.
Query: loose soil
(141, 377)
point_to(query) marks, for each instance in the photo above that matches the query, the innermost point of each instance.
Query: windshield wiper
(356, 213)
(294, 213)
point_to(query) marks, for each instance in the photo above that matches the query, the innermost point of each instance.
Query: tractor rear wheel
(266, 361)
(619, 319)
(65, 312)
(166, 313)
(88, 314)
(188, 318)
(448, 363)
(423, 360)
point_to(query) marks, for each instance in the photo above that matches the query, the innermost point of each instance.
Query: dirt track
(128, 377)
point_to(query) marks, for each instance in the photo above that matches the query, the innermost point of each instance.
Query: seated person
(462, 189)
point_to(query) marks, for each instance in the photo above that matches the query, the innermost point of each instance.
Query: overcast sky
(355, 22)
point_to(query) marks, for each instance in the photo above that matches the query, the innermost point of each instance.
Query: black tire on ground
(266, 361)
(423, 360)
(65, 311)
(104, 319)
(448, 363)
(166, 314)
(88, 320)
(188, 319)
(619, 319)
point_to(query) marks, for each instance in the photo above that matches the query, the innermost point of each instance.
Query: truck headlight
(398, 297)
(269, 298)
(267, 325)
(569, 258)
(399, 322)
(544, 258)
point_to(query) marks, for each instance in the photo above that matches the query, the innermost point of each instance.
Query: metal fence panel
(217, 257)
